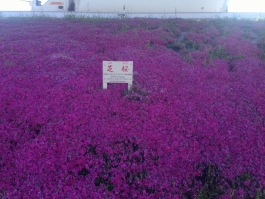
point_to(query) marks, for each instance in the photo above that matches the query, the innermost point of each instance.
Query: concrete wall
(120, 6)
(151, 6)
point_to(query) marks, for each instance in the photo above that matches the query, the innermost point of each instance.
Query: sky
(246, 6)
(14, 5)
(233, 6)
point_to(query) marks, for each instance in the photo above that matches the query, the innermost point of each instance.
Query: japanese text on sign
(117, 72)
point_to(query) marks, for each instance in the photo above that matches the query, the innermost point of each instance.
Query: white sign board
(117, 72)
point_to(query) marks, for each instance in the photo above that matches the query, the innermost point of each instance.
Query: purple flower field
(192, 126)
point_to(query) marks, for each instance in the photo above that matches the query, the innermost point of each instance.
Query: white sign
(117, 72)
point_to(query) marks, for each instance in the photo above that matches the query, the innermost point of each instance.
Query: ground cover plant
(192, 126)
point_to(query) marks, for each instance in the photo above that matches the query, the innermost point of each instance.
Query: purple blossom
(202, 107)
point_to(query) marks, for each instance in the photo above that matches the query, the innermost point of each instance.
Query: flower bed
(193, 125)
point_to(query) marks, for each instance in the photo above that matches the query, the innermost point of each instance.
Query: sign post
(117, 72)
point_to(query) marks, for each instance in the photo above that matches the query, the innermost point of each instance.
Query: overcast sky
(246, 6)
(234, 5)
(14, 5)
